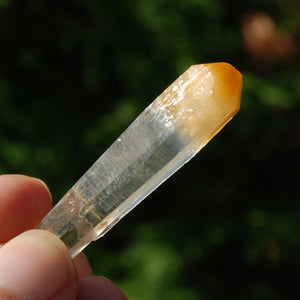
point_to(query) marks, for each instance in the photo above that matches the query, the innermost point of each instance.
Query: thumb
(36, 265)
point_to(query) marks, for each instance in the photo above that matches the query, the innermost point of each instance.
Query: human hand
(35, 264)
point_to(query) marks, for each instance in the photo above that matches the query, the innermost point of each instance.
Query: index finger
(24, 201)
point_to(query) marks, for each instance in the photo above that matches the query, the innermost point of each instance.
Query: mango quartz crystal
(166, 135)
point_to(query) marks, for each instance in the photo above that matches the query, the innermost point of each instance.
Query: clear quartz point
(167, 134)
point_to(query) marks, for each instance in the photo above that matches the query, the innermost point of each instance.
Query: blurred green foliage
(74, 74)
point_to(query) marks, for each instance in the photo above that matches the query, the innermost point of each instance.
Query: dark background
(74, 74)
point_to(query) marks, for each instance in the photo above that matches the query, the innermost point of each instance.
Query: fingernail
(45, 186)
(35, 265)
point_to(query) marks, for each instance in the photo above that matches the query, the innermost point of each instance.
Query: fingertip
(37, 265)
(97, 287)
(82, 266)
(45, 187)
(24, 201)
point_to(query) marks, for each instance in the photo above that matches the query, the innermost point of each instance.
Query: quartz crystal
(167, 134)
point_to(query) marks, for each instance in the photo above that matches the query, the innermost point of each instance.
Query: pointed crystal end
(227, 86)
(202, 100)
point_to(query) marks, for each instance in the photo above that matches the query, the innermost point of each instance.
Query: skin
(35, 264)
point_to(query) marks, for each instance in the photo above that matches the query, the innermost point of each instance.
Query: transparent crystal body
(167, 134)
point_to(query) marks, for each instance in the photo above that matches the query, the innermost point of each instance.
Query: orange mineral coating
(228, 85)
(202, 100)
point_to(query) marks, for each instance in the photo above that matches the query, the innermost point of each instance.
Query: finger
(24, 201)
(93, 287)
(36, 265)
(82, 266)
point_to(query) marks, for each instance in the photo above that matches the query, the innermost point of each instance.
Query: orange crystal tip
(228, 84)
(203, 99)
(216, 103)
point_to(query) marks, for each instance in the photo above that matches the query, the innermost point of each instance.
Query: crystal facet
(167, 134)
